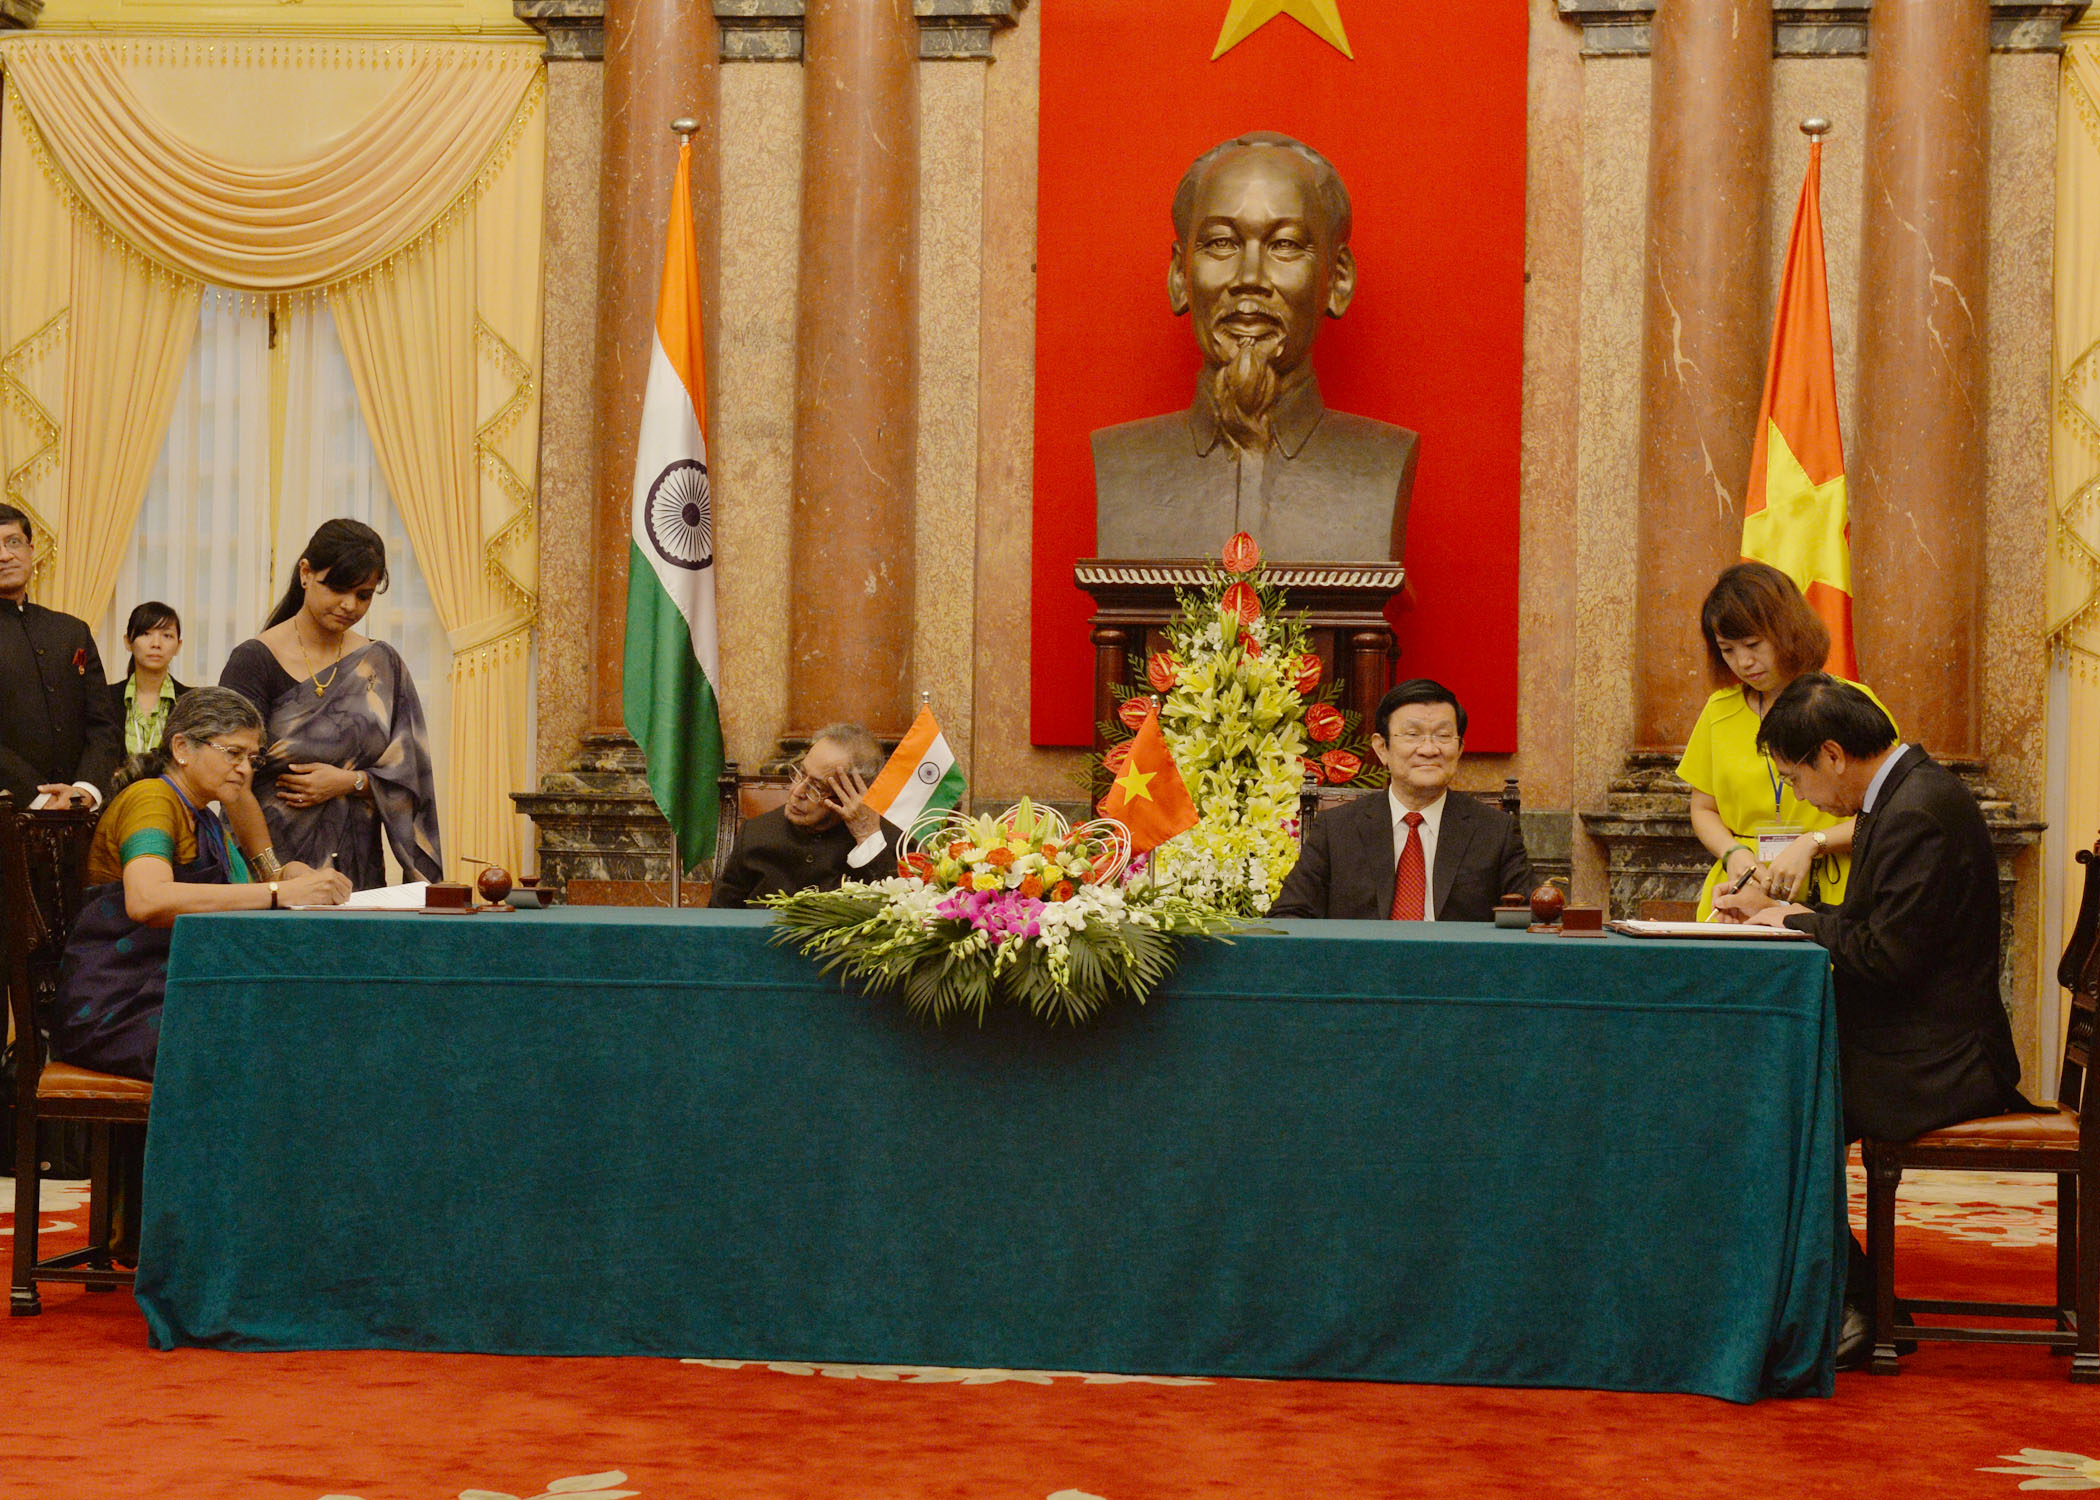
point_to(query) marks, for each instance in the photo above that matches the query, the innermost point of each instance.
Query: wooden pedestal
(1343, 604)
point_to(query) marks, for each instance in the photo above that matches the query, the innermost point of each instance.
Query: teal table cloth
(1347, 1150)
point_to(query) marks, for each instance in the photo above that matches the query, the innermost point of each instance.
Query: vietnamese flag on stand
(1794, 509)
(1149, 797)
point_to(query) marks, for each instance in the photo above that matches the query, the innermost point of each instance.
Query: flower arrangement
(1019, 908)
(1248, 718)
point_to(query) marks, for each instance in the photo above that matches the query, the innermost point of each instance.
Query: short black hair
(9, 513)
(151, 616)
(1817, 707)
(1416, 690)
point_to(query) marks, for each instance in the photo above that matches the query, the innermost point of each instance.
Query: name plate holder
(1344, 606)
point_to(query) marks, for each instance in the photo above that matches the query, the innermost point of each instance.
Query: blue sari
(114, 976)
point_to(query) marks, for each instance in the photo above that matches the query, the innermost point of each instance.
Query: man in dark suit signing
(59, 737)
(825, 832)
(1416, 854)
(1923, 1041)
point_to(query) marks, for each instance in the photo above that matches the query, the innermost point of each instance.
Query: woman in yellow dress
(1760, 635)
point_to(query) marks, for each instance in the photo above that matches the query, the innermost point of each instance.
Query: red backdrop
(1426, 126)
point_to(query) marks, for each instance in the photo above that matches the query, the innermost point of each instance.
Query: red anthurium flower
(1250, 645)
(1134, 710)
(915, 864)
(1308, 674)
(1323, 721)
(1311, 767)
(1160, 672)
(1341, 766)
(1240, 600)
(1118, 756)
(1241, 554)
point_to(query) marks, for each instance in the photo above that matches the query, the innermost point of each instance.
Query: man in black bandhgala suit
(823, 835)
(59, 736)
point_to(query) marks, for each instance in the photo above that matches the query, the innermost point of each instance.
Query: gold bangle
(267, 863)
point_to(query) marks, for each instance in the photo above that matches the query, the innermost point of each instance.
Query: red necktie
(1409, 886)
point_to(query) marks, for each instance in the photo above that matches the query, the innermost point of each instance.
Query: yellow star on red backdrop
(1323, 18)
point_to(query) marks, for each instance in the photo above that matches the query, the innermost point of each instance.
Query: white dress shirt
(1432, 820)
(1866, 803)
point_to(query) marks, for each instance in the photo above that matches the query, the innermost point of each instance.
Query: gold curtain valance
(374, 143)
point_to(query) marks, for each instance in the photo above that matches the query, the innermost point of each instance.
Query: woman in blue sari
(159, 851)
(347, 754)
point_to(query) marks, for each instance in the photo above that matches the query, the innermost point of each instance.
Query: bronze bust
(1261, 251)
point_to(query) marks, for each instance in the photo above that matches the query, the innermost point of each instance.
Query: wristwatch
(357, 787)
(273, 895)
(1822, 841)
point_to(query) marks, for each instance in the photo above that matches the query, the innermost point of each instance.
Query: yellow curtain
(2074, 563)
(404, 182)
(435, 350)
(392, 166)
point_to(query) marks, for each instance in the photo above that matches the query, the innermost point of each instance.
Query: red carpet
(88, 1413)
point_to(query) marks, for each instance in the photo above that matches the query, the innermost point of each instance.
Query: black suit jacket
(1922, 1035)
(1346, 866)
(775, 858)
(56, 724)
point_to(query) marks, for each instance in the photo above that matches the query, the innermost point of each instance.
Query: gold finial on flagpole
(1815, 127)
(686, 126)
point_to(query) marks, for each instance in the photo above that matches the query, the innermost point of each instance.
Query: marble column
(856, 408)
(661, 60)
(1705, 334)
(1918, 491)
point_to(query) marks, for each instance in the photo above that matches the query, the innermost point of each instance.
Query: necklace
(321, 685)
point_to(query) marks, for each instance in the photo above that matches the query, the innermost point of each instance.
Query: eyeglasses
(239, 755)
(17, 543)
(1414, 739)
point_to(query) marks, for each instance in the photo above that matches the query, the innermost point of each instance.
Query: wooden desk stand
(1343, 603)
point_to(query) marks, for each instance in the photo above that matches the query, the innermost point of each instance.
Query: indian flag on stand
(672, 667)
(1794, 513)
(921, 777)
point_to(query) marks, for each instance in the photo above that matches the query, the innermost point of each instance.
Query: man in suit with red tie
(1416, 854)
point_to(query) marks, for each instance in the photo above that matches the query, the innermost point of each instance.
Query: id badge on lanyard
(1773, 839)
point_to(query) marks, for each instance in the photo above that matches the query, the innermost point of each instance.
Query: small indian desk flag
(1794, 514)
(921, 777)
(672, 666)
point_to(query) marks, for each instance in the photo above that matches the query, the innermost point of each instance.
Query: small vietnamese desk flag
(669, 696)
(1149, 797)
(1794, 510)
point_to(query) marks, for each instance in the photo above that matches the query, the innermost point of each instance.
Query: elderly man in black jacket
(824, 834)
(1923, 1041)
(59, 737)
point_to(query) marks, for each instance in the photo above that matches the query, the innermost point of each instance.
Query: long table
(1353, 1150)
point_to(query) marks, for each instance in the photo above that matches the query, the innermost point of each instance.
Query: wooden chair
(742, 798)
(43, 867)
(1315, 798)
(2065, 1141)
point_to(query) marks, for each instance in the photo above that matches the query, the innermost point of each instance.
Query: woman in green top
(1760, 635)
(153, 635)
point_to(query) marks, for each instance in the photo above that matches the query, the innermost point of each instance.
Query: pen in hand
(1744, 879)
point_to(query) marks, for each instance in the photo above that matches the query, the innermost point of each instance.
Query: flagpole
(686, 128)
